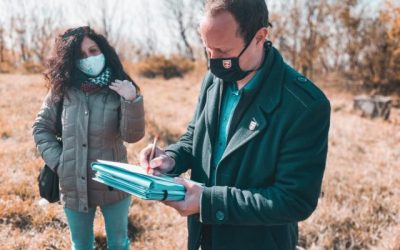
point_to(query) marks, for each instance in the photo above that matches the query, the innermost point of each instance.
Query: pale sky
(138, 19)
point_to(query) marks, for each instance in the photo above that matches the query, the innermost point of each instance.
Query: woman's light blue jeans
(116, 222)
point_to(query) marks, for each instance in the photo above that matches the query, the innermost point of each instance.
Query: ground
(358, 209)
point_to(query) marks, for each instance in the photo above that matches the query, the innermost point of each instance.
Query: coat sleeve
(181, 151)
(132, 120)
(294, 194)
(44, 133)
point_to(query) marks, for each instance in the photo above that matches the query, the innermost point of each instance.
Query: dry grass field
(358, 209)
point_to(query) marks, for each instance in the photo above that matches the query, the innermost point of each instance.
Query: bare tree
(2, 45)
(351, 24)
(315, 35)
(109, 17)
(286, 29)
(301, 29)
(147, 38)
(181, 14)
(4, 6)
(41, 39)
(19, 27)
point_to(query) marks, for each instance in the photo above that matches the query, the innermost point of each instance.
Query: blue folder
(134, 180)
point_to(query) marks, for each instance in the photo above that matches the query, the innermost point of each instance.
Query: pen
(153, 149)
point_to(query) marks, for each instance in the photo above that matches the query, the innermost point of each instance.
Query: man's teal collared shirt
(230, 99)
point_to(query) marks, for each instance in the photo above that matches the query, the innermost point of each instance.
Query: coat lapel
(212, 109)
(249, 127)
(255, 119)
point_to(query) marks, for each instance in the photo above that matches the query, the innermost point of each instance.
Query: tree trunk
(373, 106)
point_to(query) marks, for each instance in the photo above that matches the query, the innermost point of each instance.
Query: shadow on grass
(24, 222)
(20, 221)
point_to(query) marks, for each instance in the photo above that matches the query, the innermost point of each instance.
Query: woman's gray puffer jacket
(94, 126)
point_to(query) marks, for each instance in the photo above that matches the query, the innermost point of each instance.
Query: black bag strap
(58, 118)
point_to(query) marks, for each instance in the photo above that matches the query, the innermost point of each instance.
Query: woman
(101, 108)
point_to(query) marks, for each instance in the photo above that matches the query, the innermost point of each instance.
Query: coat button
(83, 145)
(86, 113)
(302, 79)
(219, 215)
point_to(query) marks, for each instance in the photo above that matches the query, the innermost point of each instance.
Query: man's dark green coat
(270, 175)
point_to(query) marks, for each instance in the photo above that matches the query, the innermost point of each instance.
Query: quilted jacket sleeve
(132, 120)
(44, 133)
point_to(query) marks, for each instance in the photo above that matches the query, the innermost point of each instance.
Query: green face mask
(92, 66)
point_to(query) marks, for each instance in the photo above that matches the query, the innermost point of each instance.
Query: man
(258, 139)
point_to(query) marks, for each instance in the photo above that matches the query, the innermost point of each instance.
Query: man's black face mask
(228, 69)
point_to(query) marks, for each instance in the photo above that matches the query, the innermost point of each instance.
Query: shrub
(32, 67)
(6, 67)
(160, 66)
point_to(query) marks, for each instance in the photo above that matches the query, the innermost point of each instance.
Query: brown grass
(358, 209)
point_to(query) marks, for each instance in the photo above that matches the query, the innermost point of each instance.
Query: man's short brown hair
(251, 15)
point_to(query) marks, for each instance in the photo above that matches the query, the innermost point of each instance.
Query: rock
(373, 106)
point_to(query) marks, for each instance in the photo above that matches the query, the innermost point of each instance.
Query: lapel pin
(252, 125)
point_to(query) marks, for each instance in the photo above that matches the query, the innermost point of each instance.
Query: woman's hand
(125, 89)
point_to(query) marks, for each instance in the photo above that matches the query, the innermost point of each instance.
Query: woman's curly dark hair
(61, 67)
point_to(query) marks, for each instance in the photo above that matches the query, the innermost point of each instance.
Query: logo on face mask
(92, 66)
(227, 64)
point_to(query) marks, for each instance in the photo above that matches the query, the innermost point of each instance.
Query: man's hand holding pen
(161, 163)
